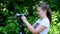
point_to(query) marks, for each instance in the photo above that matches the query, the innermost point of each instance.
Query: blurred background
(8, 9)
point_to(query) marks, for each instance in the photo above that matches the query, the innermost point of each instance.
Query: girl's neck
(43, 17)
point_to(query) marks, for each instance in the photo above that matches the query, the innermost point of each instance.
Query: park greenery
(8, 9)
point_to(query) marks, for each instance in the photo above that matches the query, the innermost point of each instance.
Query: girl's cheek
(40, 14)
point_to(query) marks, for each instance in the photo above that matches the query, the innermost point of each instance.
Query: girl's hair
(45, 6)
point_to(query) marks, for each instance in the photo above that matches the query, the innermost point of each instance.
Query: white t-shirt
(44, 22)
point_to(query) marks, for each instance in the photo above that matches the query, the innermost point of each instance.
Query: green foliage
(55, 29)
(8, 8)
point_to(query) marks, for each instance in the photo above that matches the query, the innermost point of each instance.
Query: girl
(42, 25)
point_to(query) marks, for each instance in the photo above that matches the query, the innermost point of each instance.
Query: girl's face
(41, 12)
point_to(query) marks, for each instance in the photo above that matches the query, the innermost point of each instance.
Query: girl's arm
(34, 31)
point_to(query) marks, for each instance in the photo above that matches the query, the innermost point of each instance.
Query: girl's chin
(39, 16)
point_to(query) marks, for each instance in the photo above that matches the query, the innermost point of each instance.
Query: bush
(8, 9)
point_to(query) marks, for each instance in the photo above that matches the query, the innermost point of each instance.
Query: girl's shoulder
(45, 22)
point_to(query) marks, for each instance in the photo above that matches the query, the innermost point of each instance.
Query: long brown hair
(45, 6)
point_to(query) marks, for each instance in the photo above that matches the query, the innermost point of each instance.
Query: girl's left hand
(23, 18)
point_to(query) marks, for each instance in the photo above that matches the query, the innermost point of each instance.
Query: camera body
(19, 15)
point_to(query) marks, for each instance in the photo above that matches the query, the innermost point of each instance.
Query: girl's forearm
(29, 26)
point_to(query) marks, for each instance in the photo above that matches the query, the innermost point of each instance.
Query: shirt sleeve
(35, 22)
(45, 22)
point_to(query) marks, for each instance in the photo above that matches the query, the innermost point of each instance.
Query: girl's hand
(23, 18)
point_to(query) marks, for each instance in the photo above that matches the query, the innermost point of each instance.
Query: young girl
(42, 25)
